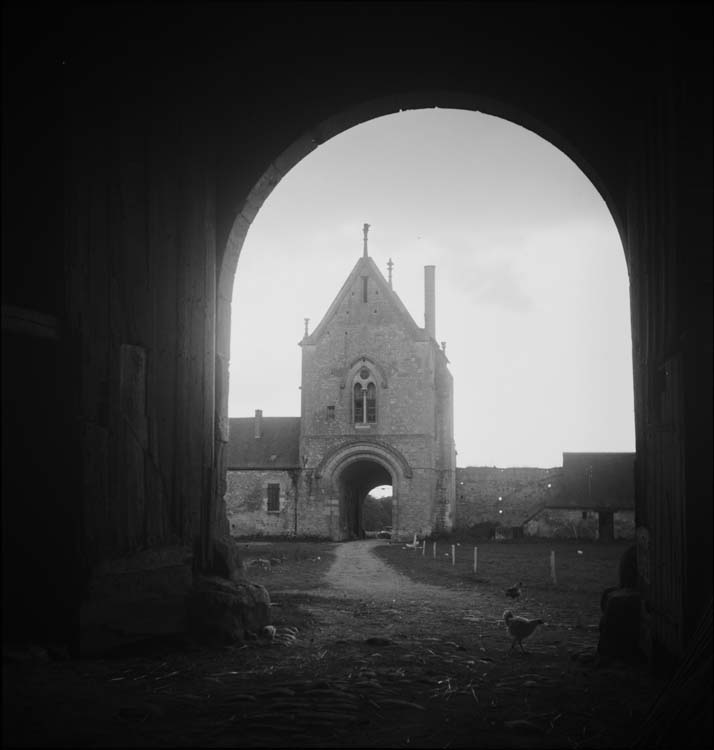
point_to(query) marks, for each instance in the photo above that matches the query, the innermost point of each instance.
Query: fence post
(553, 577)
(475, 559)
(423, 547)
(453, 554)
(414, 542)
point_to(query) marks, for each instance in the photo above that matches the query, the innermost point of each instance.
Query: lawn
(583, 570)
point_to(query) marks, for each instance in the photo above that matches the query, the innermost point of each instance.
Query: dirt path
(362, 597)
(358, 573)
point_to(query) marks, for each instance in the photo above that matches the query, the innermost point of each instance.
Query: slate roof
(599, 480)
(277, 448)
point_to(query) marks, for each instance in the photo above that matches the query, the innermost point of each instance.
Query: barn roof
(278, 446)
(599, 480)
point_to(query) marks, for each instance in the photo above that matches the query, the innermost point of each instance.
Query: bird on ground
(519, 627)
(514, 591)
(268, 632)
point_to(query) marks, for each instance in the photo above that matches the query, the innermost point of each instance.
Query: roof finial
(307, 320)
(365, 229)
(390, 265)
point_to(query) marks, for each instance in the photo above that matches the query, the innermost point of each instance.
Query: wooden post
(423, 548)
(414, 542)
(433, 549)
(475, 559)
(453, 554)
(553, 577)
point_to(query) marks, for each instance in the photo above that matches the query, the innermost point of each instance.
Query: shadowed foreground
(378, 660)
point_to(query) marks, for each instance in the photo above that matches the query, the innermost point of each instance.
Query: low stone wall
(576, 524)
(504, 497)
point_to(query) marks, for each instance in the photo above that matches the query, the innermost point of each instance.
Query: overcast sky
(531, 281)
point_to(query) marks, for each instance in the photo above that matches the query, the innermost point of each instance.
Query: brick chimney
(258, 423)
(429, 301)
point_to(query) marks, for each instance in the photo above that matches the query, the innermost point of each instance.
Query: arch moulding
(357, 363)
(382, 453)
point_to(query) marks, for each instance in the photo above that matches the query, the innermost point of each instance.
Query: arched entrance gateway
(349, 472)
(656, 538)
(354, 481)
(154, 203)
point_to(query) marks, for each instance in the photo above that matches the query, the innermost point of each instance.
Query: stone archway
(354, 481)
(298, 150)
(350, 471)
(657, 198)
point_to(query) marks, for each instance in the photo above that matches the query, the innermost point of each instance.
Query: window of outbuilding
(273, 498)
(330, 413)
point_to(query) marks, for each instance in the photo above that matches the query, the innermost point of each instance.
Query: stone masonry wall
(576, 524)
(318, 511)
(247, 503)
(505, 497)
(409, 405)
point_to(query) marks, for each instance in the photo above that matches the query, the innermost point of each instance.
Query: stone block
(224, 559)
(225, 612)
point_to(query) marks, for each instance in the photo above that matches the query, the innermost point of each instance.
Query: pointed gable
(365, 266)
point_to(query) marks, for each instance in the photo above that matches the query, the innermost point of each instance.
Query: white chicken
(519, 627)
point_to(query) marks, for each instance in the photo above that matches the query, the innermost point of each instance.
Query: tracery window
(359, 403)
(364, 397)
(371, 402)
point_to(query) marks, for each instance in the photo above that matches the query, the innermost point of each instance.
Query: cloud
(497, 283)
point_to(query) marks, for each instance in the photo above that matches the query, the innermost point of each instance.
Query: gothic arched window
(364, 397)
(359, 403)
(371, 402)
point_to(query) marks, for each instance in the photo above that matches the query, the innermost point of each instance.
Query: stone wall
(504, 497)
(247, 503)
(560, 523)
(318, 512)
(533, 498)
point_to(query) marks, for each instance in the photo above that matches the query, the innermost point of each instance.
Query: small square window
(330, 413)
(585, 514)
(273, 498)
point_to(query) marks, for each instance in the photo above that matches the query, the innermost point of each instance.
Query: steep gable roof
(278, 447)
(365, 266)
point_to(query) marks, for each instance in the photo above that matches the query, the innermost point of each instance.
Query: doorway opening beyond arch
(355, 482)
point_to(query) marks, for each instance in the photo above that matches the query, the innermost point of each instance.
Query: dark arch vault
(116, 228)
(354, 482)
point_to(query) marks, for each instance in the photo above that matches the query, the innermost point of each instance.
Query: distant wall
(560, 523)
(523, 491)
(511, 498)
